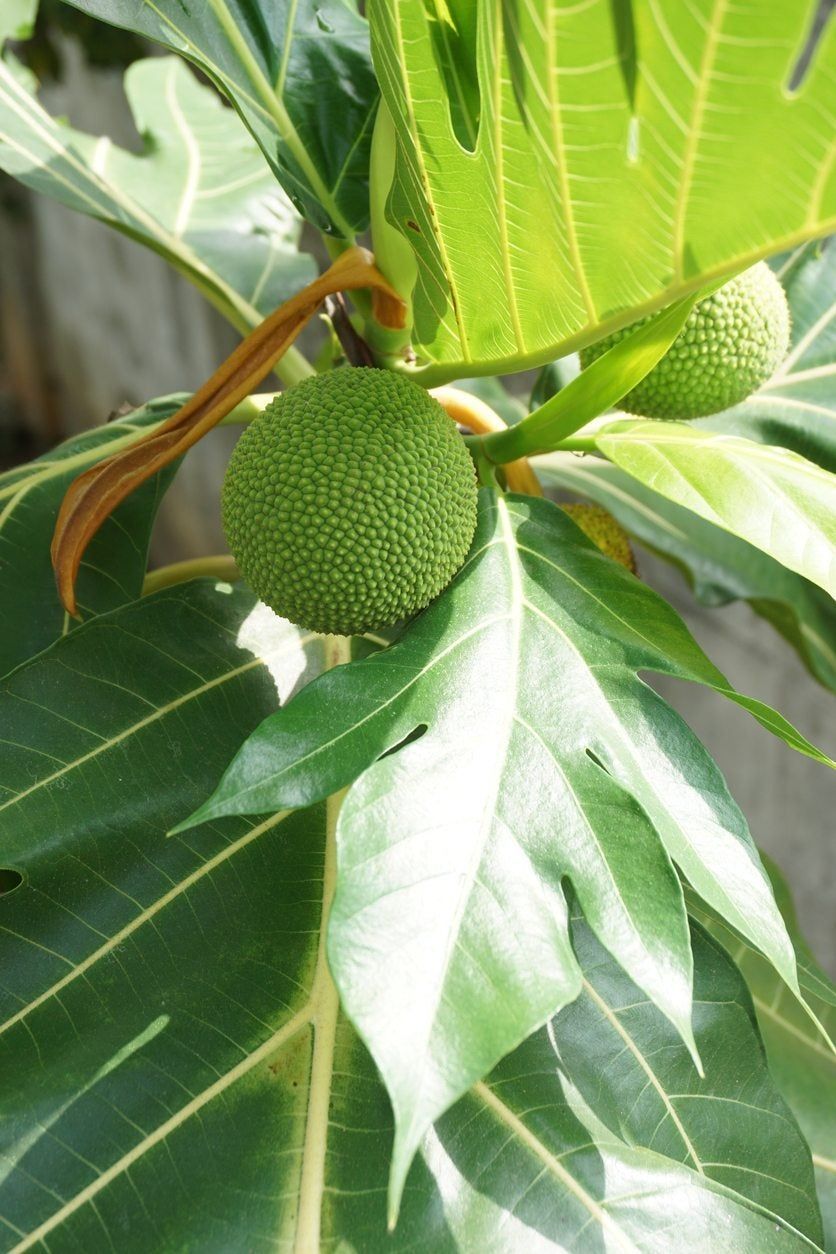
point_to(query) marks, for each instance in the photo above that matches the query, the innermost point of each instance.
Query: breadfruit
(732, 343)
(602, 529)
(350, 502)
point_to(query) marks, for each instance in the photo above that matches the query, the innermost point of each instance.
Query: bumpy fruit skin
(350, 502)
(732, 342)
(602, 529)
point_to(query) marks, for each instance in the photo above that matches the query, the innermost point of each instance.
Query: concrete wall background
(115, 324)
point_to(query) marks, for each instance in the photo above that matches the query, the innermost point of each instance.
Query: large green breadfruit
(732, 342)
(350, 502)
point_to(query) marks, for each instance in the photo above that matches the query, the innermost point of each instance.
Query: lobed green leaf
(199, 194)
(732, 1125)
(174, 1068)
(502, 786)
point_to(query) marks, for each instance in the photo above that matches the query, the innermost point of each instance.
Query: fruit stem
(293, 366)
(247, 410)
(486, 471)
(221, 566)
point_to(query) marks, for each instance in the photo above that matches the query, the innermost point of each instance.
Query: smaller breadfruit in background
(350, 502)
(602, 529)
(731, 344)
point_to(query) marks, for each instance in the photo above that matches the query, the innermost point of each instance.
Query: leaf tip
(198, 816)
(403, 1153)
(691, 1045)
(817, 1023)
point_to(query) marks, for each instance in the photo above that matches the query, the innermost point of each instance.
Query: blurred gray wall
(114, 324)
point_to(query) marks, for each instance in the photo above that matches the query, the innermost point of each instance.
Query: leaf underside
(645, 125)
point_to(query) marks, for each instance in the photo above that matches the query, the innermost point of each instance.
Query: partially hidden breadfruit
(350, 502)
(602, 529)
(732, 342)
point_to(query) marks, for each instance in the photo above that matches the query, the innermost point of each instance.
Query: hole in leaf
(415, 734)
(454, 49)
(9, 880)
(594, 758)
(815, 36)
(624, 25)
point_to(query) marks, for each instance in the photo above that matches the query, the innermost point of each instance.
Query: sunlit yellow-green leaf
(646, 148)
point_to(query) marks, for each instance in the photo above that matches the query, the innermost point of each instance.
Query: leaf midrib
(613, 1019)
(626, 742)
(320, 1011)
(486, 1095)
(496, 776)
(114, 941)
(288, 1030)
(694, 134)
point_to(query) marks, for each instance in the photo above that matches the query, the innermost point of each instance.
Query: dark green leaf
(300, 76)
(114, 564)
(731, 1126)
(801, 1059)
(720, 567)
(446, 845)
(174, 1072)
(522, 1167)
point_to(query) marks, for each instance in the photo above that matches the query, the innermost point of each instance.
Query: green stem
(393, 254)
(248, 409)
(596, 389)
(221, 566)
(293, 366)
(578, 444)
